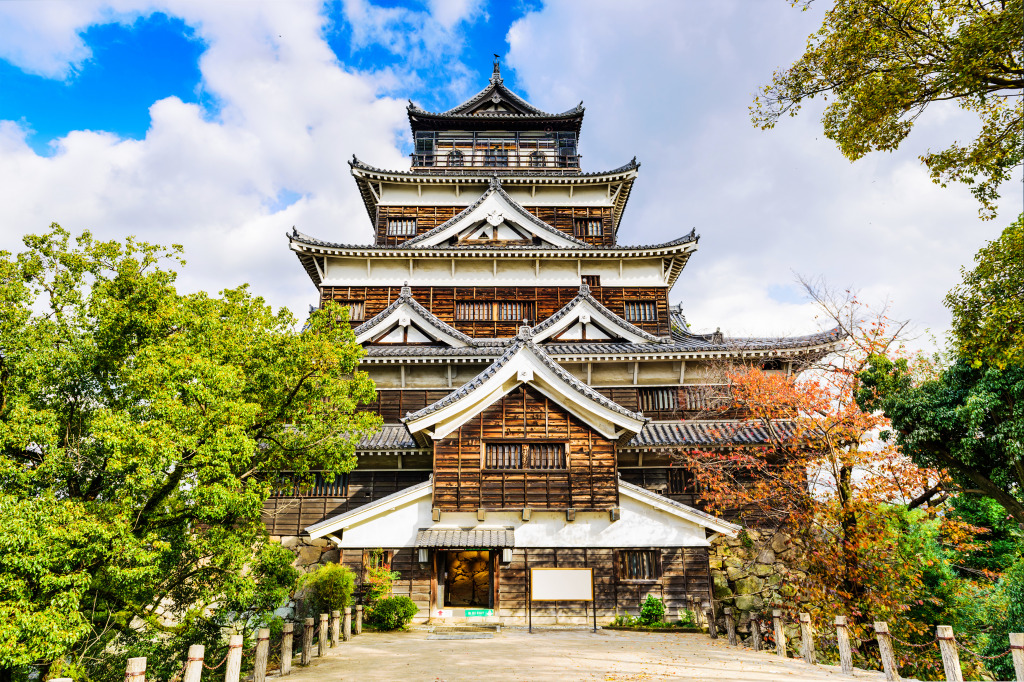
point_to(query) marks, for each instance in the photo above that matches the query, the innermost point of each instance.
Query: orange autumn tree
(823, 477)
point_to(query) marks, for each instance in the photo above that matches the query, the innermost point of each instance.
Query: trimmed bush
(652, 610)
(328, 588)
(392, 613)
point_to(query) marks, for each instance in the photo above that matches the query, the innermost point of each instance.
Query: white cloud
(671, 82)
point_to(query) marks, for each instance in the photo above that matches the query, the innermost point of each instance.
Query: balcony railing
(519, 160)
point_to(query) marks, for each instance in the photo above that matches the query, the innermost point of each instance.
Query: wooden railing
(496, 159)
(944, 638)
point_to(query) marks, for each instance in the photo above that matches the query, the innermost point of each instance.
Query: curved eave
(420, 120)
(626, 175)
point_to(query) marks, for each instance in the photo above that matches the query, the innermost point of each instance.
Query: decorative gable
(585, 319)
(524, 363)
(407, 322)
(495, 218)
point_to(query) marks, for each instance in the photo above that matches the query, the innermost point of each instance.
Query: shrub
(379, 578)
(652, 610)
(328, 588)
(392, 613)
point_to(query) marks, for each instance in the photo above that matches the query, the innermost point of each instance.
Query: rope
(223, 660)
(988, 658)
(913, 646)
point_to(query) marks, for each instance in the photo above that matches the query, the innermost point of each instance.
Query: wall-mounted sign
(479, 613)
(443, 613)
(562, 584)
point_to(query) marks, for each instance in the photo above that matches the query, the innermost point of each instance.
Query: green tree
(141, 431)
(988, 306)
(881, 63)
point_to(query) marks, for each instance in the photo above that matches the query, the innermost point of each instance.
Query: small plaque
(479, 613)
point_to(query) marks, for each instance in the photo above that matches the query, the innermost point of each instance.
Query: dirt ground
(562, 655)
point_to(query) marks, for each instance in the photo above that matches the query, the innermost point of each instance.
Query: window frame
(621, 563)
(498, 312)
(409, 225)
(648, 398)
(583, 226)
(639, 304)
(525, 458)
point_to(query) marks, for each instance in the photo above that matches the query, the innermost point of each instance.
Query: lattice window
(318, 484)
(592, 280)
(680, 481)
(541, 456)
(639, 564)
(401, 227)
(589, 227)
(640, 311)
(356, 310)
(706, 397)
(515, 311)
(655, 399)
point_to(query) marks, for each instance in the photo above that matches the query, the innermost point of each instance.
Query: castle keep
(533, 377)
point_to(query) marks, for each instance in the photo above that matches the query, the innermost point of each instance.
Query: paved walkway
(562, 655)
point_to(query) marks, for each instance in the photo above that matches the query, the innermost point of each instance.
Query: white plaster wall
(552, 271)
(403, 194)
(639, 526)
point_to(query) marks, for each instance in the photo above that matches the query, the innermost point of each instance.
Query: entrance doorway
(468, 577)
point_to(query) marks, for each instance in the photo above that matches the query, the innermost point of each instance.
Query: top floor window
(537, 159)
(589, 227)
(640, 311)
(401, 227)
(455, 158)
(424, 148)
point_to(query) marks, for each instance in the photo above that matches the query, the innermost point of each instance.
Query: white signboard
(558, 584)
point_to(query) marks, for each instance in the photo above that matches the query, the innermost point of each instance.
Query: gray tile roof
(518, 345)
(457, 538)
(496, 86)
(495, 187)
(405, 297)
(697, 433)
(389, 437)
(608, 315)
(490, 171)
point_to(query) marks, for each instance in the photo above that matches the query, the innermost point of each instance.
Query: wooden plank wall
(655, 479)
(429, 217)
(413, 583)
(393, 404)
(441, 302)
(684, 572)
(291, 515)
(461, 484)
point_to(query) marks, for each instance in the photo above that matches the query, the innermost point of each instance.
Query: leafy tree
(141, 430)
(881, 63)
(968, 421)
(328, 588)
(988, 306)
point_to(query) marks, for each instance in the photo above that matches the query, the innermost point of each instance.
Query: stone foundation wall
(755, 573)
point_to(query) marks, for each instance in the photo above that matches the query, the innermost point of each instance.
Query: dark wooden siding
(414, 580)
(461, 483)
(560, 217)
(291, 515)
(684, 573)
(441, 302)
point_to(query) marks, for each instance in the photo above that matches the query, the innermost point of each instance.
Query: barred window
(316, 485)
(515, 311)
(401, 227)
(654, 399)
(589, 227)
(640, 311)
(544, 456)
(639, 564)
(356, 310)
(592, 280)
(680, 481)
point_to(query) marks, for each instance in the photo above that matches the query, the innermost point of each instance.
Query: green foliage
(969, 421)
(988, 306)
(379, 578)
(141, 431)
(881, 63)
(1009, 600)
(328, 588)
(392, 613)
(652, 610)
(1000, 540)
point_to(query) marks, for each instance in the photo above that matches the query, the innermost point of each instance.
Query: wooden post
(892, 673)
(730, 625)
(194, 664)
(780, 633)
(136, 670)
(712, 626)
(807, 638)
(1017, 651)
(286, 648)
(950, 656)
(262, 652)
(233, 668)
(346, 629)
(843, 640)
(321, 641)
(307, 642)
(335, 628)
(755, 632)
(359, 620)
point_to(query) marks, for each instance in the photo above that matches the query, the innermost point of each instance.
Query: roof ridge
(585, 295)
(405, 298)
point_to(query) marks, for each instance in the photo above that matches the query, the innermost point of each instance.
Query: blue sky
(220, 125)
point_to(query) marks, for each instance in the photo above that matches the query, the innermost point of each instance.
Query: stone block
(762, 571)
(721, 587)
(766, 556)
(749, 602)
(308, 555)
(749, 585)
(735, 573)
(331, 556)
(780, 542)
(320, 542)
(714, 563)
(733, 562)
(290, 541)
